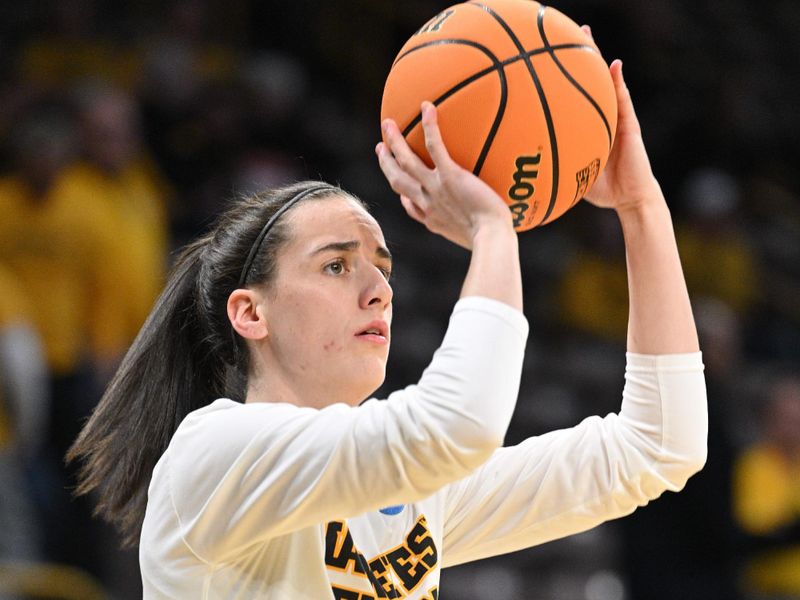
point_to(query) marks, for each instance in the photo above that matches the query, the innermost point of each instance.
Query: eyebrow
(351, 246)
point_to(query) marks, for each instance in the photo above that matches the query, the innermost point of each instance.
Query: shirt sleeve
(568, 481)
(251, 472)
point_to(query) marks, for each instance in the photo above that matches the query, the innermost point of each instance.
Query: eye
(336, 267)
(387, 272)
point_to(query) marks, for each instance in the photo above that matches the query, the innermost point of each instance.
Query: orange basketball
(525, 101)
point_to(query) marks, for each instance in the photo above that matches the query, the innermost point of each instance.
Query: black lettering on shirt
(343, 593)
(407, 564)
(380, 574)
(420, 542)
(340, 552)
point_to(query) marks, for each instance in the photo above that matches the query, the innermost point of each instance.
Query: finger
(403, 154)
(588, 31)
(627, 122)
(412, 209)
(400, 181)
(433, 137)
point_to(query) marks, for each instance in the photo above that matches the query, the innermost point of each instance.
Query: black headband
(265, 230)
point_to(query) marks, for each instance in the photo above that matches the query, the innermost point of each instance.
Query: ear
(246, 314)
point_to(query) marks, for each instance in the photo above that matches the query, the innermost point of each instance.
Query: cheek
(332, 346)
(312, 321)
(317, 326)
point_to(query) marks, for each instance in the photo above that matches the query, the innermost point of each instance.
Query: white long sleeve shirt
(275, 501)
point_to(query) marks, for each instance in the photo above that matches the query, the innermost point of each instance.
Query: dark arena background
(148, 115)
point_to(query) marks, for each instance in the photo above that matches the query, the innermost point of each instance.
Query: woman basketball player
(301, 490)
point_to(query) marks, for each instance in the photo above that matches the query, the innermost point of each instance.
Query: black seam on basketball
(548, 117)
(475, 76)
(504, 63)
(459, 86)
(441, 41)
(497, 67)
(551, 50)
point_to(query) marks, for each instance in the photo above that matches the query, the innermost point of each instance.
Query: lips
(376, 329)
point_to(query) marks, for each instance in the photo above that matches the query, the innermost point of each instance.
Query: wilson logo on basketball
(522, 188)
(585, 178)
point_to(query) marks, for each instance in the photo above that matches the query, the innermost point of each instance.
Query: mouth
(376, 331)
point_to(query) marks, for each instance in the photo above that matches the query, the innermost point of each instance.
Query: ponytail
(163, 377)
(184, 357)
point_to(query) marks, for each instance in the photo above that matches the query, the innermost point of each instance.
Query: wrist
(643, 194)
(644, 209)
(494, 227)
(494, 270)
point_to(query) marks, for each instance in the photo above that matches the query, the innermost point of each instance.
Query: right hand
(627, 183)
(448, 199)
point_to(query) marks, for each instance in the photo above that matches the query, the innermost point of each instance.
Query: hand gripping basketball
(447, 199)
(627, 181)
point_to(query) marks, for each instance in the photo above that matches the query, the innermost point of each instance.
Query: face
(329, 309)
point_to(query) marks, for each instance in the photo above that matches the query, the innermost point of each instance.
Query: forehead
(332, 219)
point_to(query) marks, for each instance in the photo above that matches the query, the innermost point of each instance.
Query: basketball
(524, 98)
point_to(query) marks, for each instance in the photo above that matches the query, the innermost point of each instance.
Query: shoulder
(225, 416)
(225, 427)
(226, 440)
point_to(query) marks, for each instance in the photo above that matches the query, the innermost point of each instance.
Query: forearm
(660, 314)
(494, 269)
(567, 481)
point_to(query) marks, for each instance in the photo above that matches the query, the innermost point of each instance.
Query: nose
(376, 291)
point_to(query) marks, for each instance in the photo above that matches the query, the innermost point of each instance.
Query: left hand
(627, 182)
(449, 200)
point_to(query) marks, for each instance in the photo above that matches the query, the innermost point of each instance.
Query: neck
(293, 390)
(274, 378)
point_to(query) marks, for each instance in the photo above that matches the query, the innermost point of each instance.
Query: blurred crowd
(124, 127)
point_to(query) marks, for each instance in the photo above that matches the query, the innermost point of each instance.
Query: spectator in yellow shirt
(767, 495)
(718, 258)
(64, 255)
(129, 197)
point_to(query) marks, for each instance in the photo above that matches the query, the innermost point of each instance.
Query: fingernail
(426, 108)
(385, 125)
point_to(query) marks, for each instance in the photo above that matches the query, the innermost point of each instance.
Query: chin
(370, 381)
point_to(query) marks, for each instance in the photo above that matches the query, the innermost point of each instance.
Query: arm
(568, 481)
(660, 316)
(571, 480)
